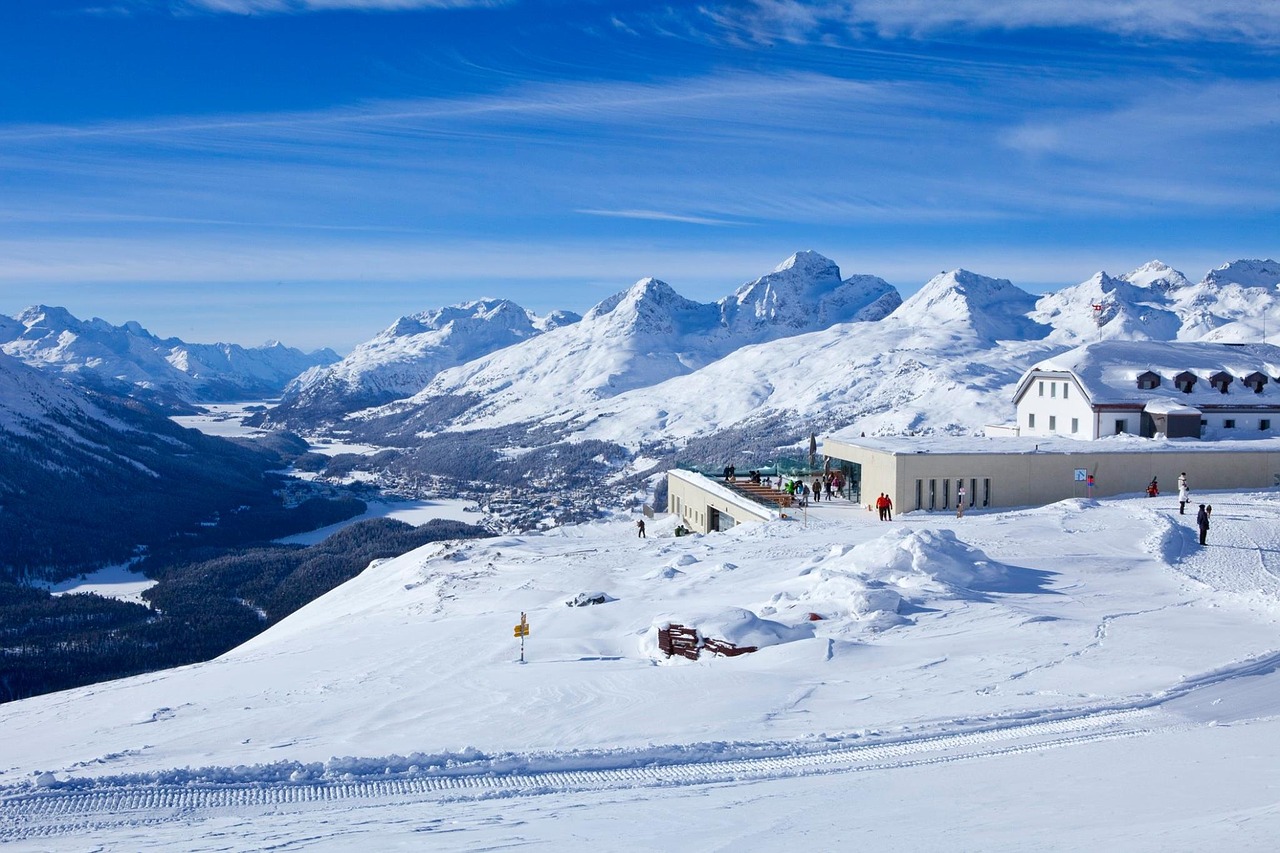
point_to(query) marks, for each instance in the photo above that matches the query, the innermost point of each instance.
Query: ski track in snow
(79, 807)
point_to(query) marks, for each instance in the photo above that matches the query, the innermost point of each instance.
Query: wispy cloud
(767, 21)
(659, 216)
(717, 150)
(288, 7)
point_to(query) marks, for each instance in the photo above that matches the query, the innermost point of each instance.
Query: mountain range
(798, 350)
(129, 359)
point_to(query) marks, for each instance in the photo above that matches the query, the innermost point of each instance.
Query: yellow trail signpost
(522, 631)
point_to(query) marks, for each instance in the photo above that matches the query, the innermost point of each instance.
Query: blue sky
(309, 170)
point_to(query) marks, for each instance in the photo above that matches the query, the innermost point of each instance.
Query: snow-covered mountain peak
(651, 306)
(1246, 273)
(1104, 306)
(553, 320)
(47, 319)
(473, 314)
(804, 293)
(1157, 275)
(402, 359)
(993, 308)
(810, 264)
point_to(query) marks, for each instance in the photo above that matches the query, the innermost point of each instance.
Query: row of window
(680, 509)
(1122, 424)
(1053, 423)
(1053, 389)
(1186, 381)
(936, 493)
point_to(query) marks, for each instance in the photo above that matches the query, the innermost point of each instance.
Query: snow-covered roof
(978, 444)
(723, 492)
(1169, 406)
(1108, 371)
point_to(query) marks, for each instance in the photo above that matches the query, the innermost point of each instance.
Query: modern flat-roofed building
(926, 473)
(704, 504)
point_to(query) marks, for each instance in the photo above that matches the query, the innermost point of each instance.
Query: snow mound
(733, 625)
(932, 560)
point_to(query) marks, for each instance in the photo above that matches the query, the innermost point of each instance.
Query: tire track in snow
(56, 812)
(106, 803)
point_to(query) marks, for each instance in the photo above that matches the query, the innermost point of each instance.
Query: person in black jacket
(1202, 521)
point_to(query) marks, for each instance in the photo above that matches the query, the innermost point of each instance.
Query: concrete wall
(692, 496)
(1035, 479)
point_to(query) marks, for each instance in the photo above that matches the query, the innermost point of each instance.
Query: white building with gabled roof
(1149, 388)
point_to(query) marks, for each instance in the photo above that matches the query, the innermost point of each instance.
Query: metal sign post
(522, 631)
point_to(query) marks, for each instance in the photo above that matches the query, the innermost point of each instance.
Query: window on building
(1041, 388)
(919, 494)
(1053, 423)
(1121, 426)
(1228, 423)
(986, 492)
(1065, 386)
(933, 494)
(946, 493)
(1075, 425)
(1031, 420)
(1149, 380)
(1254, 382)
(1265, 423)
(1053, 389)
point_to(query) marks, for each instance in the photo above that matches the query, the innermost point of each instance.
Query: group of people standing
(1206, 510)
(884, 506)
(830, 483)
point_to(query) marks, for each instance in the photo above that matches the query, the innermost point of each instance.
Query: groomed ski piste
(1068, 677)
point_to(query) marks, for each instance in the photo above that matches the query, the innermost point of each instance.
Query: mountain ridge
(129, 359)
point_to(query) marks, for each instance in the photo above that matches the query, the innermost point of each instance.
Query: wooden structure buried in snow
(684, 641)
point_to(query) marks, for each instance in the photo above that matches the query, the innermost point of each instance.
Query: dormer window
(1185, 381)
(1148, 381)
(1220, 381)
(1254, 382)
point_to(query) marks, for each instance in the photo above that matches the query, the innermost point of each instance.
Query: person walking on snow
(960, 493)
(880, 506)
(1183, 493)
(888, 508)
(640, 528)
(1202, 521)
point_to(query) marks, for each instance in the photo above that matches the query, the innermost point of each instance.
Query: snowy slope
(32, 402)
(403, 358)
(120, 356)
(1087, 652)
